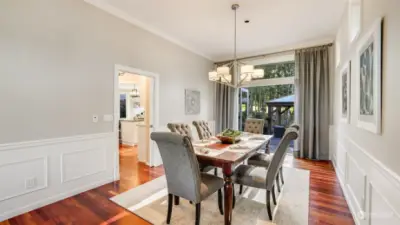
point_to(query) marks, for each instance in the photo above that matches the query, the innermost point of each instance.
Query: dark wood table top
(220, 154)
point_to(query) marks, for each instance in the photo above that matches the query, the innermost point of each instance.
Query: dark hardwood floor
(327, 203)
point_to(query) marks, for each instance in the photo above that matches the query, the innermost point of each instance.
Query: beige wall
(57, 62)
(384, 147)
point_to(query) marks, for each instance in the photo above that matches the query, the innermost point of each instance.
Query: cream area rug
(149, 201)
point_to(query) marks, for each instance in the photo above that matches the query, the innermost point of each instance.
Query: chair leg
(273, 195)
(281, 172)
(176, 200)
(170, 196)
(220, 205)
(269, 205)
(198, 208)
(277, 183)
(234, 196)
(215, 172)
(241, 189)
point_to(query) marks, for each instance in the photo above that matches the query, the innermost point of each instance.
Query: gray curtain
(224, 107)
(312, 103)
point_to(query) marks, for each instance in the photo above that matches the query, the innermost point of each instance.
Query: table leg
(228, 194)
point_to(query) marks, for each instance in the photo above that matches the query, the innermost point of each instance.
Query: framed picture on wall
(369, 79)
(192, 102)
(345, 86)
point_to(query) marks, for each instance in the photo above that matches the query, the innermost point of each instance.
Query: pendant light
(223, 75)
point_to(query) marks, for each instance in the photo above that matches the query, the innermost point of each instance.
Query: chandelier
(135, 92)
(223, 75)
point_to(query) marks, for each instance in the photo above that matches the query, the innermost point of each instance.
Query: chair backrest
(279, 156)
(180, 128)
(255, 126)
(295, 125)
(180, 164)
(203, 130)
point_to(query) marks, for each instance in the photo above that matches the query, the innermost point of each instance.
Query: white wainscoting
(371, 190)
(37, 173)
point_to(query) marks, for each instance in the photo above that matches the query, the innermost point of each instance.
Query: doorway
(136, 114)
(271, 98)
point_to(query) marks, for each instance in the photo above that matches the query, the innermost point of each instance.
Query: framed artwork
(369, 79)
(192, 102)
(345, 75)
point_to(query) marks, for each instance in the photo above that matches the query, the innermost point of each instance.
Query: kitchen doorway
(136, 114)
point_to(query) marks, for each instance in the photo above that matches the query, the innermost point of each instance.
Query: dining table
(227, 156)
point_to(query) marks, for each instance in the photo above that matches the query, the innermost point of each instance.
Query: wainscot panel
(371, 189)
(37, 173)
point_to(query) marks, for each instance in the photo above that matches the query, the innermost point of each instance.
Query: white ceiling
(206, 26)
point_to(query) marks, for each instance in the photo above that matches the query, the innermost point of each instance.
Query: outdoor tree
(259, 96)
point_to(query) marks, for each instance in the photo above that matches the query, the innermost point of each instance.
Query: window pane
(277, 70)
(122, 106)
(277, 98)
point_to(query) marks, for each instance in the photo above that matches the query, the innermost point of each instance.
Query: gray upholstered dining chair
(184, 129)
(263, 160)
(184, 179)
(203, 130)
(258, 177)
(295, 125)
(255, 126)
(180, 128)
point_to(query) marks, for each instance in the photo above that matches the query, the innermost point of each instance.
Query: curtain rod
(274, 53)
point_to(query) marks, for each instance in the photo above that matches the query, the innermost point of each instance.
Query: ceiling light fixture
(135, 92)
(223, 75)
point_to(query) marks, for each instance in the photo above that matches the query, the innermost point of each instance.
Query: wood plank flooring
(327, 203)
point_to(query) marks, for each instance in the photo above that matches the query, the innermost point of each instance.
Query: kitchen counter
(130, 131)
(131, 120)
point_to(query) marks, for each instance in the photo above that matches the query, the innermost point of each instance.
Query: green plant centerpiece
(229, 136)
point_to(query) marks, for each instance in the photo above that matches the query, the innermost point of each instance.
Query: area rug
(149, 201)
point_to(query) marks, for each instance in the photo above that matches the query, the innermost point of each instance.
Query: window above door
(278, 70)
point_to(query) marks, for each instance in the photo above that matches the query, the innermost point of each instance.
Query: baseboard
(53, 199)
(129, 143)
(346, 195)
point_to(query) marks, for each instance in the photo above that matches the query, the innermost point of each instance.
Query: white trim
(154, 120)
(373, 186)
(128, 18)
(282, 50)
(360, 206)
(346, 195)
(36, 143)
(272, 59)
(379, 165)
(353, 36)
(338, 46)
(62, 165)
(129, 143)
(269, 82)
(50, 187)
(45, 176)
(346, 68)
(375, 177)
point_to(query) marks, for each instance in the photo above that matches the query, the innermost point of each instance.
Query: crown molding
(128, 18)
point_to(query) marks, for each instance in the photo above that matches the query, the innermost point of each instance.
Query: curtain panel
(223, 107)
(312, 102)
